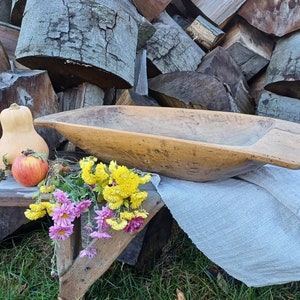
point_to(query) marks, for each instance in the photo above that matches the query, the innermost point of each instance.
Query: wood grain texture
(189, 144)
(272, 16)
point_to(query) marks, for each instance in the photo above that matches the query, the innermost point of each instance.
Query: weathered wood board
(14, 199)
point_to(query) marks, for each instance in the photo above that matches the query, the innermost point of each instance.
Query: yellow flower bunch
(72, 188)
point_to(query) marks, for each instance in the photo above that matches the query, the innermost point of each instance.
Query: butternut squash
(18, 134)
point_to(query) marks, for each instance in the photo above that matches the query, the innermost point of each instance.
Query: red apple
(30, 168)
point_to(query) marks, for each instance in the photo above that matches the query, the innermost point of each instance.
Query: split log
(86, 94)
(129, 97)
(31, 88)
(96, 42)
(5, 7)
(4, 60)
(249, 47)
(9, 35)
(283, 72)
(280, 107)
(17, 10)
(257, 85)
(219, 63)
(170, 49)
(204, 33)
(189, 89)
(152, 8)
(272, 16)
(219, 11)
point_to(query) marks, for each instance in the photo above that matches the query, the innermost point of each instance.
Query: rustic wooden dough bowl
(190, 144)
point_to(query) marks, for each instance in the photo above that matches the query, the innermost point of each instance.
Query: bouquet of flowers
(72, 189)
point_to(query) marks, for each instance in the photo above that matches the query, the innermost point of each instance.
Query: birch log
(79, 41)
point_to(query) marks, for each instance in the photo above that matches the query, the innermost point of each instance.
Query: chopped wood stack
(233, 55)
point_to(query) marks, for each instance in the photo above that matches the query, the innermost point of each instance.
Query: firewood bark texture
(79, 41)
(283, 72)
(280, 107)
(189, 89)
(170, 49)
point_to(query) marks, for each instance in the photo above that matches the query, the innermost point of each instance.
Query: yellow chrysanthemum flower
(144, 179)
(127, 215)
(117, 224)
(141, 213)
(35, 211)
(49, 207)
(136, 199)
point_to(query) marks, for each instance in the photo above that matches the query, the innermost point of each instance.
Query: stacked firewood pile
(234, 55)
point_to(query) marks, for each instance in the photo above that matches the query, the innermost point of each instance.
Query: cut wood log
(30, 88)
(187, 89)
(96, 42)
(86, 94)
(283, 72)
(4, 60)
(5, 7)
(152, 8)
(272, 16)
(204, 33)
(17, 10)
(219, 63)
(9, 35)
(219, 11)
(257, 85)
(129, 97)
(249, 47)
(170, 49)
(280, 107)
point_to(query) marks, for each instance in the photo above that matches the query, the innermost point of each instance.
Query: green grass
(25, 273)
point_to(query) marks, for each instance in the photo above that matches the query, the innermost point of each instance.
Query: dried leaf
(180, 295)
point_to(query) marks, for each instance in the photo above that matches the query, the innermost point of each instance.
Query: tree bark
(79, 41)
(170, 49)
(283, 72)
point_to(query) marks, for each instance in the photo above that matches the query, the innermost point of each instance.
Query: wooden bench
(76, 275)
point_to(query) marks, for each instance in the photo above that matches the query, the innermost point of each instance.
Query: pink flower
(60, 232)
(61, 196)
(104, 213)
(63, 215)
(100, 235)
(134, 224)
(89, 252)
(81, 207)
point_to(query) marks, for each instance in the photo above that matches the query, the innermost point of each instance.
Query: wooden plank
(14, 200)
(12, 194)
(272, 17)
(84, 271)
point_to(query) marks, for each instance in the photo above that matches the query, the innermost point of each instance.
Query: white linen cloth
(249, 225)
